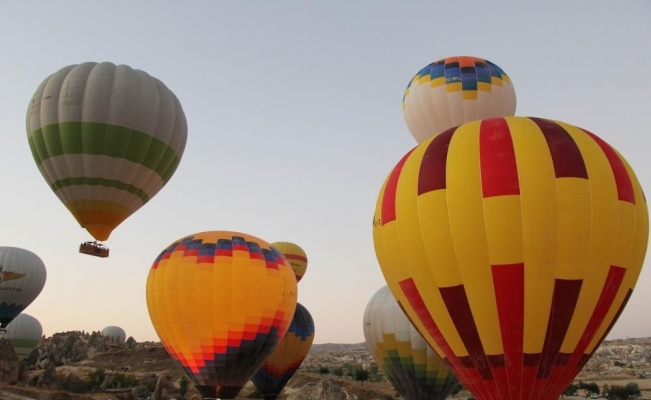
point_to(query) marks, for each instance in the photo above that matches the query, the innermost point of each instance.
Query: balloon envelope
(513, 244)
(410, 364)
(116, 334)
(106, 139)
(295, 255)
(283, 363)
(22, 277)
(220, 303)
(453, 91)
(24, 333)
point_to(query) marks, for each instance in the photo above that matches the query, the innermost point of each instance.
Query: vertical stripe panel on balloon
(574, 231)
(508, 281)
(536, 182)
(428, 166)
(476, 364)
(415, 301)
(566, 293)
(465, 207)
(627, 215)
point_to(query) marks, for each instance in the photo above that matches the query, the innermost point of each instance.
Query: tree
(361, 375)
(618, 392)
(605, 391)
(633, 389)
(324, 370)
(96, 378)
(592, 387)
(183, 387)
(571, 390)
(338, 371)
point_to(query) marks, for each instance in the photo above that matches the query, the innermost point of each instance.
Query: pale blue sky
(294, 115)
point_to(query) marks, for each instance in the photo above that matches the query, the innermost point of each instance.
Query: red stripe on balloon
(611, 287)
(622, 179)
(467, 373)
(508, 283)
(566, 294)
(410, 291)
(566, 156)
(499, 171)
(431, 175)
(389, 196)
(456, 302)
(296, 257)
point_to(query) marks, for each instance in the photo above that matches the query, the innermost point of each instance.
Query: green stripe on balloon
(116, 141)
(62, 183)
(24, 343)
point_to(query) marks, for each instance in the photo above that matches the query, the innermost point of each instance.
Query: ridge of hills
(88, 366)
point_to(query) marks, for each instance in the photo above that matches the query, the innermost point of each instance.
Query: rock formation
(326, 389)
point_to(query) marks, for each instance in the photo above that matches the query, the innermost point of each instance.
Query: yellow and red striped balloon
(295, 255)
(220, 303)
(513, 244)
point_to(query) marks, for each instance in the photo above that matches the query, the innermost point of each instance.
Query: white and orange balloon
(453, 91)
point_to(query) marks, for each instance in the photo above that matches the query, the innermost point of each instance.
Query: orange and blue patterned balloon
(221, 302)
(455, 90)
(288, 356)
(513, 244)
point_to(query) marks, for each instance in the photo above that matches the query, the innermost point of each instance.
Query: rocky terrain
(87, 366)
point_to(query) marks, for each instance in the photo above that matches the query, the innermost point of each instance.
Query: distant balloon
(412, 367)
(513, 244)
(295, 255)
(220, 303)
(117, 334)
(24, 333)
(453, 91)
(22, 277)
(106, 139)
(288, 356)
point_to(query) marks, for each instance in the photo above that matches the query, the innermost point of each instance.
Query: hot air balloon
(283, 363)
(412, 367)
(295, 255)
(453, 91)
(24, 333)
(220, 303)
(106, 139)
(513, 244)
(117, 334)
(22, 277)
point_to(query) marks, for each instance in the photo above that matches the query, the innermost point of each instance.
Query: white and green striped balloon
(412, 367)
(24, 333)
(106, 139)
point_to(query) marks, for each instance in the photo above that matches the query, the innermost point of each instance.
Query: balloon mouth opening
(99, 232)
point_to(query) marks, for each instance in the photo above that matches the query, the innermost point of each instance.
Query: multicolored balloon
(220, 303)
(513, 244)
(106, 139)
(22, 277)
(283, 363)
(24, 333)
(117, 334)
(295, 255)
(453, 91)
(412, 367)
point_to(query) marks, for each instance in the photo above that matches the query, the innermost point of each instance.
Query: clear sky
(295, 119)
